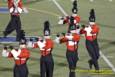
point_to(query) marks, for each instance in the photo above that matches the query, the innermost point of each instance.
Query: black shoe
(97, 68)
(97, 71)
(96, 65)
(90, 64)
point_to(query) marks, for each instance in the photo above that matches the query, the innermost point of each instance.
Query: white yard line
(102, 55)
(43, 11)
(59, 7)
(107, 61)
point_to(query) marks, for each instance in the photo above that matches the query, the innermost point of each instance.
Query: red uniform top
(90, 32)
(45, 46)
(22, 57)
(76, 19)
(71, 41)
(11, 5)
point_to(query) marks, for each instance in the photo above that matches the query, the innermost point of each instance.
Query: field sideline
(42, 10)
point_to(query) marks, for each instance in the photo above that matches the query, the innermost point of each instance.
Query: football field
(42, 10)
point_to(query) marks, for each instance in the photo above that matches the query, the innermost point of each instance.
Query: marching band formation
(46, 44)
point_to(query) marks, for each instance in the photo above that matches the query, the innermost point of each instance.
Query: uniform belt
(21, 59)
(46, 55)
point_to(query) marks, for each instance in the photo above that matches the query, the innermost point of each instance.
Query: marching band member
(76, 18)
(46, 46)
(71, 39)
(91, 32)
(21, 57)
(15, 8)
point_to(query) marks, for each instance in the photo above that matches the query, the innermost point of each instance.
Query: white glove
(48, 49)
(41, 44)
(61, 20)
(57, 40)
(88, 30)
(25, 10)
(5, 53)
(78, 31)
(15, 53)
(11, 9)
(19, 10)
(69, 37)
(29, 44)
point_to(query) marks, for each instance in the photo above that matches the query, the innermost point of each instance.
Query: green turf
(42, 10)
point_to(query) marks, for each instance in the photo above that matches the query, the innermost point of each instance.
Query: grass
(32, 23)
